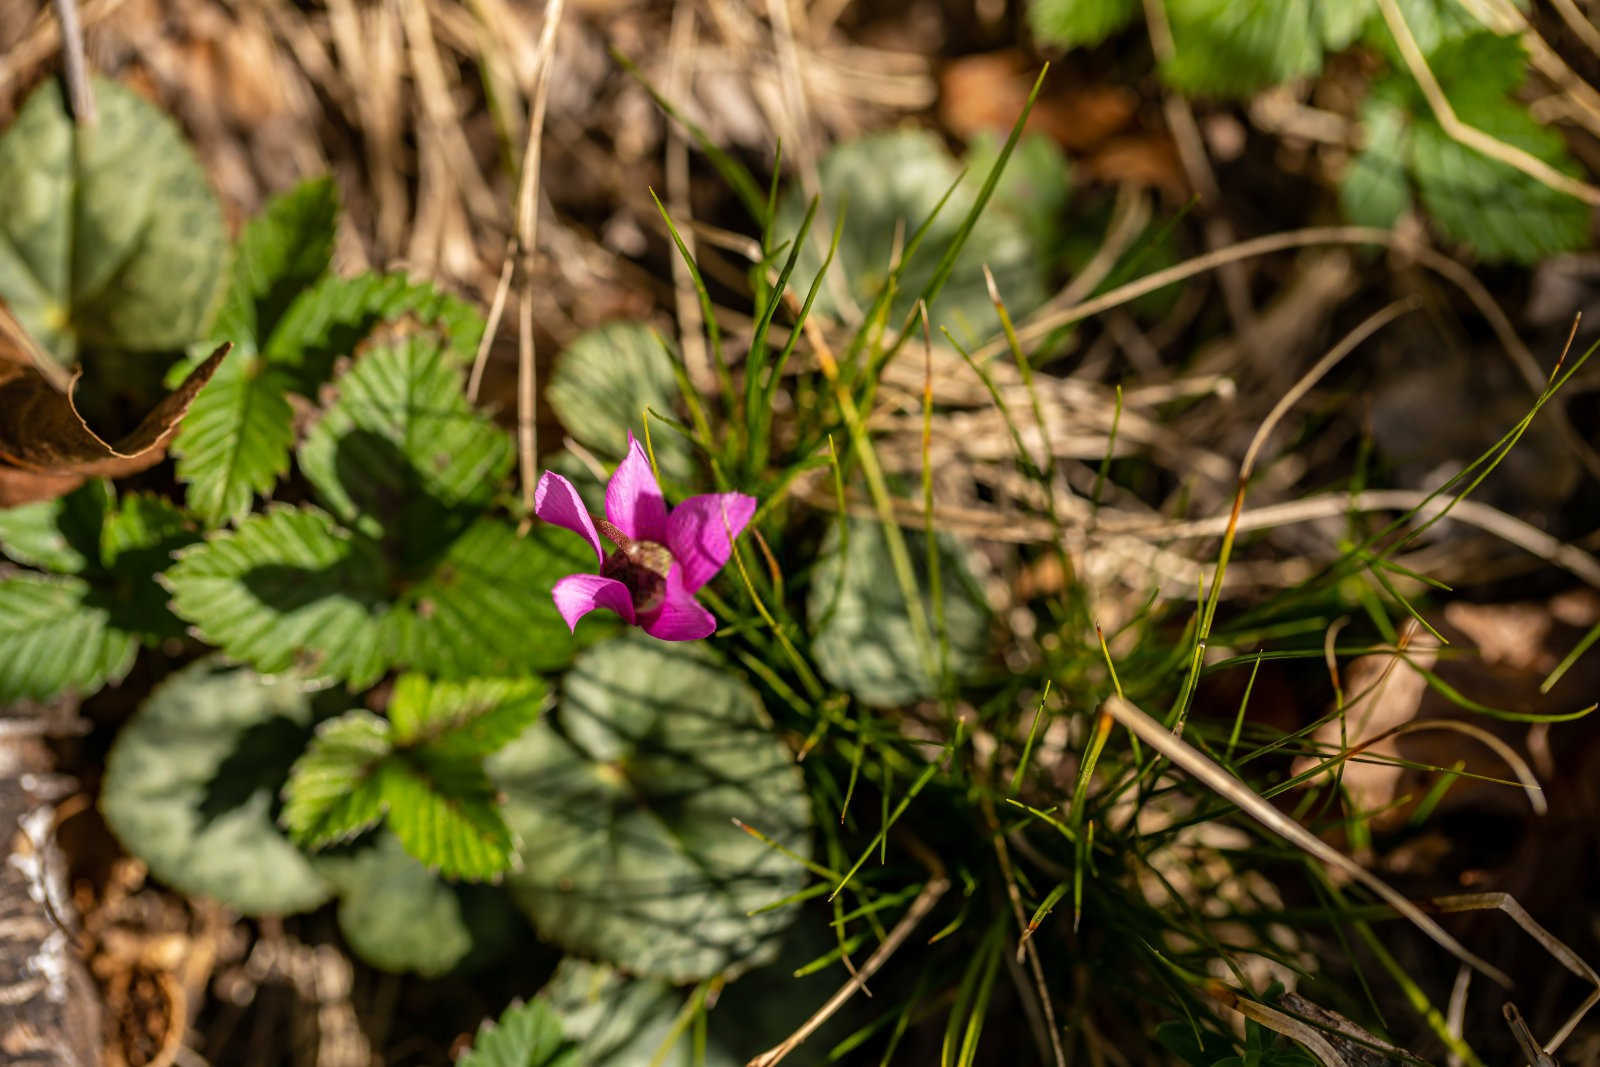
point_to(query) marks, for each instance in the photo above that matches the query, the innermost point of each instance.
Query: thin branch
(76, 68)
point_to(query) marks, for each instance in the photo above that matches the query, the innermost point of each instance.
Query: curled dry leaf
(47, 449)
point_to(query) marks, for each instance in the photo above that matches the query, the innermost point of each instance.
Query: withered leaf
(47, 449)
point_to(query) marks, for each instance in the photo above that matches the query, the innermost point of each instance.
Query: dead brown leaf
(47, 449)
(985, 92)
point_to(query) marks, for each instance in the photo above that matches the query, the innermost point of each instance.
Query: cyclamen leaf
(603, 382)
(526, 1035)
(1070, 23)
(333, 792)
(52, 639)
(864, 642)
(110, 235)
(190, 783)
(627, 801)
(399, 916)
(401, 447)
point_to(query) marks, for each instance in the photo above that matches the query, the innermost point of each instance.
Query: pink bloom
(660, 558)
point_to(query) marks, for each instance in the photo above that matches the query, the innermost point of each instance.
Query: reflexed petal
(556, 501)
(578, 594)
(680, 617)
(633, 499)
(697, 533)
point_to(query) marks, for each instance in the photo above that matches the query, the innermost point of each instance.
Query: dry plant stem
(527, 235)
(691, 336)
(1579, 24)
(924, 902)
(74, 65)
(1277, 1021)
(1225, 785)
(1470, 136)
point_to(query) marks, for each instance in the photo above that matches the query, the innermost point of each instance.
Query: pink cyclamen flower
(660, 558)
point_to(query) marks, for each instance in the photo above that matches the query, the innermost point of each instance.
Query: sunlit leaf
(526, 1035)
(626, 804)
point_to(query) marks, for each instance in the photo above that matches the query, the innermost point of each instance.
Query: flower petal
(697, 533)
(633, 499)
(578, 594)
(680, 617)
(556, 501)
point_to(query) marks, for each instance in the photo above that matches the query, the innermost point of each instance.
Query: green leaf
(291, 589)
(137, 542)
(1234, 47)
(400, 917)
(401, 448)
(526, 1035)
(288, 589)
(333, 792)
(470, 718)
(281, 251)
(620, 1020)
(60, 535)
(331, 318)
(1502, 213)
(892, 182)
(1375, 190)
(190, 783)
(235, 441)
(423, 767)
(626, 802)
(110, 236)
(1070, 23)
(864, 642)
(446, 812)
(603, 382)
(53, 639)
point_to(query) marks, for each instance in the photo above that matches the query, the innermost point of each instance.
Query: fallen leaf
(1149, 159)
(985, 93)
(46, 448)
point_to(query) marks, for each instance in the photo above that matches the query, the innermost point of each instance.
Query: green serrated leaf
(620, 1020)
(1070, 23)
(627, 802)
(1234, 47)
(470, 718)
(525, 1035)
(446, 812)
(111, 236)
(890, 183)
(333, 792)
(401, 449)
(864, 642)
(138, 541)
(1502, 213)
(281, 251)
(292, 589)
(329, 319)
(398, 916)
(53, 639)
(60, 535)
(190, 783)
(288, 589)
(234, 441)
(1375, 189)
(603, 382)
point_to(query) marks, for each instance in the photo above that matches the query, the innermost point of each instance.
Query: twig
(526, 235)
(79, 91)
(691, 324)
(1190, 759)
(1471, 136)
(919, 908)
